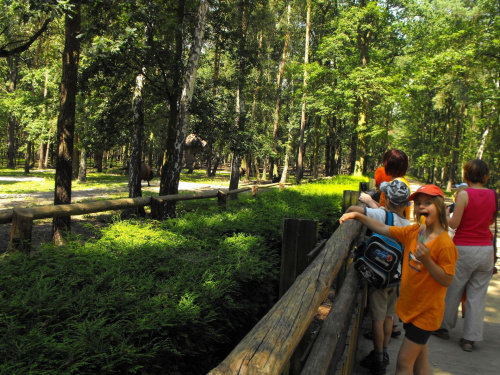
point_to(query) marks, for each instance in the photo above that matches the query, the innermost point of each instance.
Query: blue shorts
(415, 334)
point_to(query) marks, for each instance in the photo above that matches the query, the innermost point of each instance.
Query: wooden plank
(269, 345)
(354, 197)
(346, 200)
(308, 237)
(45, 212)
(324, 347)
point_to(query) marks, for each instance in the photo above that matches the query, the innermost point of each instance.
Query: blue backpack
(380, 260)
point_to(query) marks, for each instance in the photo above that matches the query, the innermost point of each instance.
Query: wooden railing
(22, 218)
(269, 346)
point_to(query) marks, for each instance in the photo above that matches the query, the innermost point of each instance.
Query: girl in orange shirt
(428, 269)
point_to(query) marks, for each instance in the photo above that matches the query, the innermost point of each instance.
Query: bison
(146, 173)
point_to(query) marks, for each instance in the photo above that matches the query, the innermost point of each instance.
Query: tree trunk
(75, 165)
(82, 171)
(284, 172)
(354, 148)
(40, 155)
(456, 143)
(211, 138)
(300, 159)
(364, 38)
(281, 72)
(257, 171)
(27, 158)
(480, 150)
(316, 147)
(66, 120)
(240, 101)
(177, 130)
(11, 151)
(98, 160)
(47, 153)
(134, 169)
(237, 153)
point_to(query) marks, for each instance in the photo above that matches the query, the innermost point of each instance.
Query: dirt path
(42, 229)
(8, 201)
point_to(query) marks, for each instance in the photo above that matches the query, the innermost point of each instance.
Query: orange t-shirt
(381, 176)
(421, 301)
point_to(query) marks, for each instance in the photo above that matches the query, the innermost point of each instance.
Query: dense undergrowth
(152, 297)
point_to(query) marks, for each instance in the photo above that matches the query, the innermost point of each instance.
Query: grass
(151, 297)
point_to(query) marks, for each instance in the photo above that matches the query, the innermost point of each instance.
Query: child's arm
(368, 200)
(423, 254)
(359, 209)
(374, 225)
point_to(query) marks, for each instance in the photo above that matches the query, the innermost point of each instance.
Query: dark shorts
(415, 334)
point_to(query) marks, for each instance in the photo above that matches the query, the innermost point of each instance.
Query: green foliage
(153, 297)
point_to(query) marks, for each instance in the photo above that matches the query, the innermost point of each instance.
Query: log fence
(22, 218)
(281, 342)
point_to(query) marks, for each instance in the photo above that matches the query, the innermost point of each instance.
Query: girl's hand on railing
(347, 216)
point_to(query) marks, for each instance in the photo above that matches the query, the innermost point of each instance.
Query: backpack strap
(389, 218)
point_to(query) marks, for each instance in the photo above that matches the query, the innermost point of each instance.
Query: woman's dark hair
(476, 171)
(395, 163)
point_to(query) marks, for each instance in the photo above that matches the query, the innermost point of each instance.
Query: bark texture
(66, 120)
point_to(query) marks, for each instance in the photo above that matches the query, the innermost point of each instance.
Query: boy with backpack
(381, 305)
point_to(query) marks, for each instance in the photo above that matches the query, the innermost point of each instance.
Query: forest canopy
(321, 85)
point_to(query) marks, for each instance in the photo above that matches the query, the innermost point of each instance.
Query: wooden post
(346, 200)
(20, 235)
(255, 190)
(156, 208)
(281, 186)
(299, 238)
(221, 198)
(354, 198)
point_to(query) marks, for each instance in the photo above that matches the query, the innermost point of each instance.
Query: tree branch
(6, 53)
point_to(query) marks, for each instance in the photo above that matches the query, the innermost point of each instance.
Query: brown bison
(146, 173)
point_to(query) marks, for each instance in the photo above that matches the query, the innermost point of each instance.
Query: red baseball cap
(432, 190)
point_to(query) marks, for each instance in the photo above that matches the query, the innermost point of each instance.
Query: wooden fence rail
(268, 347)
(22, 218)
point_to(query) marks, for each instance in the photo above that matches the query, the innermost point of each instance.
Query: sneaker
(466, 345)
(368, 335)
(376, 367)
(395, 334)
(442, 333)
